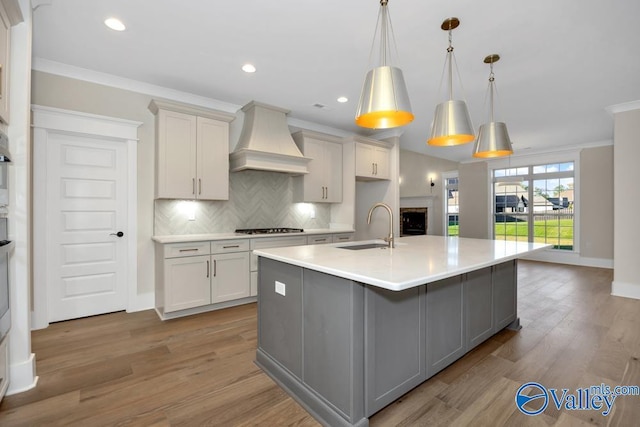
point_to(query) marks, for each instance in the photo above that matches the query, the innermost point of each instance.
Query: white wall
(626, 235)
(416, 170)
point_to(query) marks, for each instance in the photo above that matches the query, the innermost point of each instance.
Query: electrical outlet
(312, 214)
(281, 288)
(192, 216)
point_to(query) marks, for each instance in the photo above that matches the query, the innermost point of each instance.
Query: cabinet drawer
(175, 250)
(344, 237)
(224, 246)
(319, 239)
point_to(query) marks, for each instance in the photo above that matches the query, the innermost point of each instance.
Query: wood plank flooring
(135, 370)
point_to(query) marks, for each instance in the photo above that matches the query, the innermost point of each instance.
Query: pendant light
(493, 138)
(452, 122)
(384, 101)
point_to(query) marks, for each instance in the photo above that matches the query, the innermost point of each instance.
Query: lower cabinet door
(187, 282)
(505, 298)
(445, 323)
(230, 277)
(478, 301)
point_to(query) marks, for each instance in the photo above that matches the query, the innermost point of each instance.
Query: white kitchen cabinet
(5, 43)
(4, 365)
(187, 282)
(319, 239)
(230, 277)
(192, 152)
(199, 275)
(372, 161)
(343, 237)
(323, 183)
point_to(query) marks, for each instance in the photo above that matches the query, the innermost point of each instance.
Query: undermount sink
(365, 246)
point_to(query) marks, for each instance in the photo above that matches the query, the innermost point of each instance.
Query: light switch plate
(281, 288)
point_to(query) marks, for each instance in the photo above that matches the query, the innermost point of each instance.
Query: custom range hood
(265, 142)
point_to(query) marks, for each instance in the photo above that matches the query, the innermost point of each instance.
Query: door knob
(119, 234)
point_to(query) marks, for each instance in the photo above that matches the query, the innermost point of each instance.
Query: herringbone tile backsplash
(256, 200)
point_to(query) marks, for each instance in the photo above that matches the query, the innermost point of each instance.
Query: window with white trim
(451, 205)
(535, 204)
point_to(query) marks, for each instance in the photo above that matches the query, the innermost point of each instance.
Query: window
(535, 204)
(452, 205)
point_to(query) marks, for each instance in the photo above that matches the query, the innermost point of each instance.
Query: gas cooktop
(269, 230)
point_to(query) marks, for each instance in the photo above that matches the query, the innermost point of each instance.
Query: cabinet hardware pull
(207, 269)
(193, 186)
(230, 246)
(189, 250)
(373, 169)
(321, 240)
(343, 238)
(327, 192)
(215, 268)
(375, 165)
(199, 186)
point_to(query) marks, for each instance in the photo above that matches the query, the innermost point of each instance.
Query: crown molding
(65, 70)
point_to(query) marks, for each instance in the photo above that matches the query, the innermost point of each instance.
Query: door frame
(48, 120)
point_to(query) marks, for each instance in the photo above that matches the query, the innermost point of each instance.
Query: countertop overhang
(414, 261)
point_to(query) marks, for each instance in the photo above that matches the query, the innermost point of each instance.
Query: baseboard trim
(571, 258)
(142, 302)
(22, 376)
(626, 290)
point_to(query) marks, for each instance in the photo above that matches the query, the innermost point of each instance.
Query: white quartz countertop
(179, 238)
(413, 262)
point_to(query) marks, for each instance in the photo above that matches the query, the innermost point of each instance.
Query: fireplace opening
(413, 221)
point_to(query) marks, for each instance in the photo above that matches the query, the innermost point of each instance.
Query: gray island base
(345, 349)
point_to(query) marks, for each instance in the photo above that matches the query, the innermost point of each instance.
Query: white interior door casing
(84, 192)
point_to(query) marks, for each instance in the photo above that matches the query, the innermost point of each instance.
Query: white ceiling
(563, 61)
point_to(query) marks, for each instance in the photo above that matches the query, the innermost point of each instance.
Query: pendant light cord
(387, 37)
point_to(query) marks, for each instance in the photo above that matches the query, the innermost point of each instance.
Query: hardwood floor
(134, 370)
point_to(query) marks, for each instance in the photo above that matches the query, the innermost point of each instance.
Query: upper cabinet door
(212, 159)
(323, 183)
(192, 152)
(176, 154)
(382, 160)
(5, 32)
(372, 162)
(333, 162)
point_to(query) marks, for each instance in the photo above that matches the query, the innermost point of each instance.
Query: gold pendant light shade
(493, 141)
(451, 124)
(384, 102)
(493, 138)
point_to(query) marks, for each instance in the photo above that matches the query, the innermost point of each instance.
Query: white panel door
(87, 204)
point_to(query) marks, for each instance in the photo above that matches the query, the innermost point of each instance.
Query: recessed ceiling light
(248, 68)
(343, 99)
(114, 24)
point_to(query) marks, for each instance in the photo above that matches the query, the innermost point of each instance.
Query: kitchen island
(347, 329)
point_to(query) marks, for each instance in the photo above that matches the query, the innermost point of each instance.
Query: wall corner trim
(22, 375)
